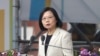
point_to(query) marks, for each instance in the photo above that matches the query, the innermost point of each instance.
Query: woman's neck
(51, 31)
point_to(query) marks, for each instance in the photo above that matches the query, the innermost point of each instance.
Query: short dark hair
(59, 22)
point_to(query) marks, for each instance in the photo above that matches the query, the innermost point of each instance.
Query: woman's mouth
(47, 24)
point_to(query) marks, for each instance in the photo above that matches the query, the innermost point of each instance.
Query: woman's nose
(47, 19)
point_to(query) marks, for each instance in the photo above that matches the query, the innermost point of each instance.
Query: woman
(57, 42)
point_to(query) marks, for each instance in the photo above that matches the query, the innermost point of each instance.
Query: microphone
(42, 39)
(32, 39)
(29, 47)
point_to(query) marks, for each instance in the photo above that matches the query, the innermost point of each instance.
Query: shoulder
(65, 35)
(63, 31)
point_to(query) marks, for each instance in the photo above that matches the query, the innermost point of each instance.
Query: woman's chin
(48, 28)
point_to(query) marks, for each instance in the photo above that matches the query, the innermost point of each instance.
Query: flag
(30, 9)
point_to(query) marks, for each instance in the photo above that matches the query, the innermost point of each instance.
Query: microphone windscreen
(42, 38)
(32, 39)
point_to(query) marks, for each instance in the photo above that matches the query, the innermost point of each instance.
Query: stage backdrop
(77, 11)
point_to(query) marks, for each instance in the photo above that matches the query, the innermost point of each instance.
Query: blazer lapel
(54, 37)
(53, 40)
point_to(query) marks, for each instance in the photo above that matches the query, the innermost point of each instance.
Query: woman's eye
(43, 18)
(50, 17)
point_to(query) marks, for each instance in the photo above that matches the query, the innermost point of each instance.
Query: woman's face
(48, 20)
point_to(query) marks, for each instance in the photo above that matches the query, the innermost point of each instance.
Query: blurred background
(19, 22)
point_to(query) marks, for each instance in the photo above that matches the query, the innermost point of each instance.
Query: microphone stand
(32, 40)
(57, 47)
